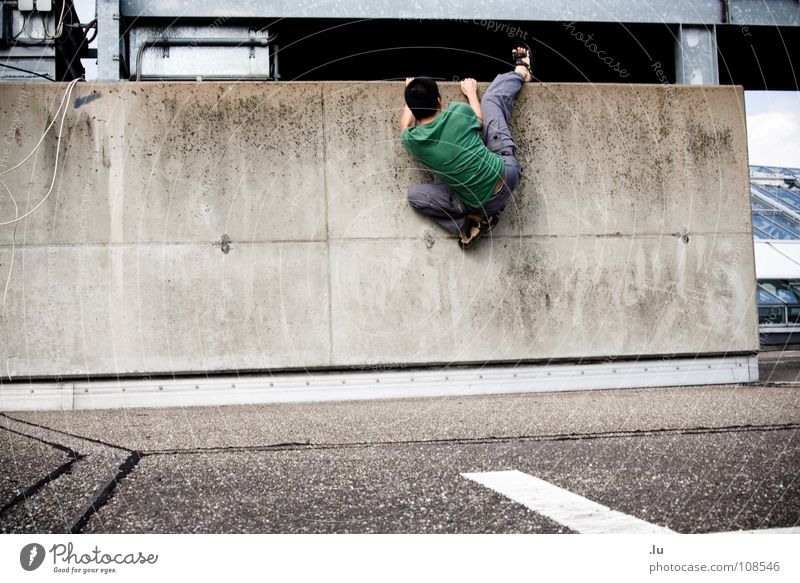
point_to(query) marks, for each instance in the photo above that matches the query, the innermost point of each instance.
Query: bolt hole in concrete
(429, 240)
(224, 244)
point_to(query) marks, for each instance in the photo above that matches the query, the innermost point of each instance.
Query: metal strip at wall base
(394, 384)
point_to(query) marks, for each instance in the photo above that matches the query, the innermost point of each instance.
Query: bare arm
(407, 119)
(469, 87)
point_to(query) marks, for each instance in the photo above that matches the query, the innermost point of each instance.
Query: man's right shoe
(519, 53)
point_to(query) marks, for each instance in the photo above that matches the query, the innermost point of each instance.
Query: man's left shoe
(470, 232)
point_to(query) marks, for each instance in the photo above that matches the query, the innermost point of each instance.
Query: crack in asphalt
(101, 496)
(306, 445)
(302, 446)
(61, 432)
(105, 494)
(34, 488)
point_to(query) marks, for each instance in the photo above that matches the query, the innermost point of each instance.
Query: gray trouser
(439, 201)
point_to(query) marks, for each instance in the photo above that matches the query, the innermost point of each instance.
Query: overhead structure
(42, 40)
(699, 42)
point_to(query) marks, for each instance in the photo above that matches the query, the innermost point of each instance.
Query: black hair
(422, 97)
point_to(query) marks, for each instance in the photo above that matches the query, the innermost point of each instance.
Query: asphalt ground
(691, 459)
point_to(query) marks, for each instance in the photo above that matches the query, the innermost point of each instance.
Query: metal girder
(108, 40)
(709, 12)
(763, 12)
(696, 56)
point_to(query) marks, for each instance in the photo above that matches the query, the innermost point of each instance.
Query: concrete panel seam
(137, 244)
(514, 237)
(268, 242)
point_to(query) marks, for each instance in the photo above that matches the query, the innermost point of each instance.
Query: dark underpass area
(757, 57)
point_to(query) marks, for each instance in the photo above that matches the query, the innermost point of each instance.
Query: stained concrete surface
(632, 222)
(167, 163)
(527, 298)
(132, 307)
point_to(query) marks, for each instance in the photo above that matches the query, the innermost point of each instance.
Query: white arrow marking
(575, 512)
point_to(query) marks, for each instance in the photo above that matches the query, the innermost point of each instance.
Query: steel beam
(696, 56)
(708, 12)
(764, 12)
(108, 40)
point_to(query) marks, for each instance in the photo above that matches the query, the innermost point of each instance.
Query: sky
(773, 117)
(773, 128)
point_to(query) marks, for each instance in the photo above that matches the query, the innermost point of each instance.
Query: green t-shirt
(452, 147)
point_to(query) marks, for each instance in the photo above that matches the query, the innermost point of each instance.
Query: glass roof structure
(775, 197)
(775, 194)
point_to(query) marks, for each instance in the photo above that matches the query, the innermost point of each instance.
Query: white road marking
(575, 512)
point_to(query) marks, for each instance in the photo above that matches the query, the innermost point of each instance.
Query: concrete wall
(630, 235)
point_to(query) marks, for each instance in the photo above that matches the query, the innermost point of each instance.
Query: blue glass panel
(772, 230)
(759, 234)
(784, 195)
(766, 298)
(759, 205)
(787, 295)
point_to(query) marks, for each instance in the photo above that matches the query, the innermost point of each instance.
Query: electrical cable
(22, 29)
(10, 265)
(13, 247)
(91, 25)
(26, 71)
(65, 105)
(26, 28)
(60, 27)
(39, 143)
(67, 93)
(782, 253)
(28, 31)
